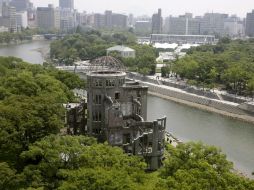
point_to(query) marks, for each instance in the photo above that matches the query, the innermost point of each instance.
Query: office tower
(68, 18)
(66, 4)
(213, 23)
(131, 22)
(82, 18)
(1, 5)
(119, 20)
(157, 22)
(143, 26)
(99, 20)
(182, 25)
(8, 18)
(48, 18)
(108, 19)
(250, 24)
(22, 20)
(20, 5)
(233, 27)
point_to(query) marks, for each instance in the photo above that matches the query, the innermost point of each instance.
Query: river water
(235, 138)
(30, 51)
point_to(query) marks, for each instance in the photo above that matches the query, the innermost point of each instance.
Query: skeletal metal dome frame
(106, 63)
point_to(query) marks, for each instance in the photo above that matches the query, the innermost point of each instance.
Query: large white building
(233, 27)
(182, 25)
(68, 19)
(22, 20)
(213, 24)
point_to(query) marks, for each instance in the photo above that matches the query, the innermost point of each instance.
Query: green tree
(229, 64)
(79, 162)
(250, 87)
(9, 180)
(31, 98)
(196, 166)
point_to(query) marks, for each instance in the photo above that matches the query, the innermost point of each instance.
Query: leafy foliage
(31, 99)
(86, 45)
(25, 34)
(195, 166)
(229, 64)
(79, 162)
(93, 44)
(33, 155)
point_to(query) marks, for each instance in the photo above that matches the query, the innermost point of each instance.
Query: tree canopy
(229, 64)
(196, 166)
(79, 162)
(92, 44)
(31, 98)
(35, 155)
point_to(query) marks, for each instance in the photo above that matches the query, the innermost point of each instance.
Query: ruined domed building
(117, 112)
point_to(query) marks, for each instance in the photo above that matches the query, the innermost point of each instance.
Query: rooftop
(165, 46)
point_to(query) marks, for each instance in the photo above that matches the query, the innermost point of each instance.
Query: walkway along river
(235, 138)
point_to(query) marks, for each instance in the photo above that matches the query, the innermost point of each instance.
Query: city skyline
(197, 7)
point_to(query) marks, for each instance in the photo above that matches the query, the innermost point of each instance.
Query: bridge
(54, 36)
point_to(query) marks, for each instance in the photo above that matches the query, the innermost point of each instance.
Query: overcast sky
(169, 7)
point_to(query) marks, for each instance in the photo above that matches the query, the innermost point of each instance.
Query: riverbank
(44, 52)
(241, 111)
(16, 42)
(244, 118)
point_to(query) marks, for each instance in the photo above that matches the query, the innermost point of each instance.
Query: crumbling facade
(117, 111)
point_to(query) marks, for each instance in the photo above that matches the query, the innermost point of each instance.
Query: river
(235, 138)
(32, 52)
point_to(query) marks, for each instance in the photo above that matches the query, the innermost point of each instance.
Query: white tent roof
(165, 46)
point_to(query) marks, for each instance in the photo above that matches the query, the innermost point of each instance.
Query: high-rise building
(99, 20)
(131, 22)
(22, 21)
(182, 25)
(48, 18)
(68, 18)
(143, 26)
(66, 4)
(157, 23)
(250, 24)
(82, 18)
(108, 19)
(8, 18)
(175, 25)
(119, 20)
(20, 5)
(233, 27)
(213, 23)
(1, 5)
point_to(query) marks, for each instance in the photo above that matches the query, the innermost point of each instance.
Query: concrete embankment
(225, 108)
